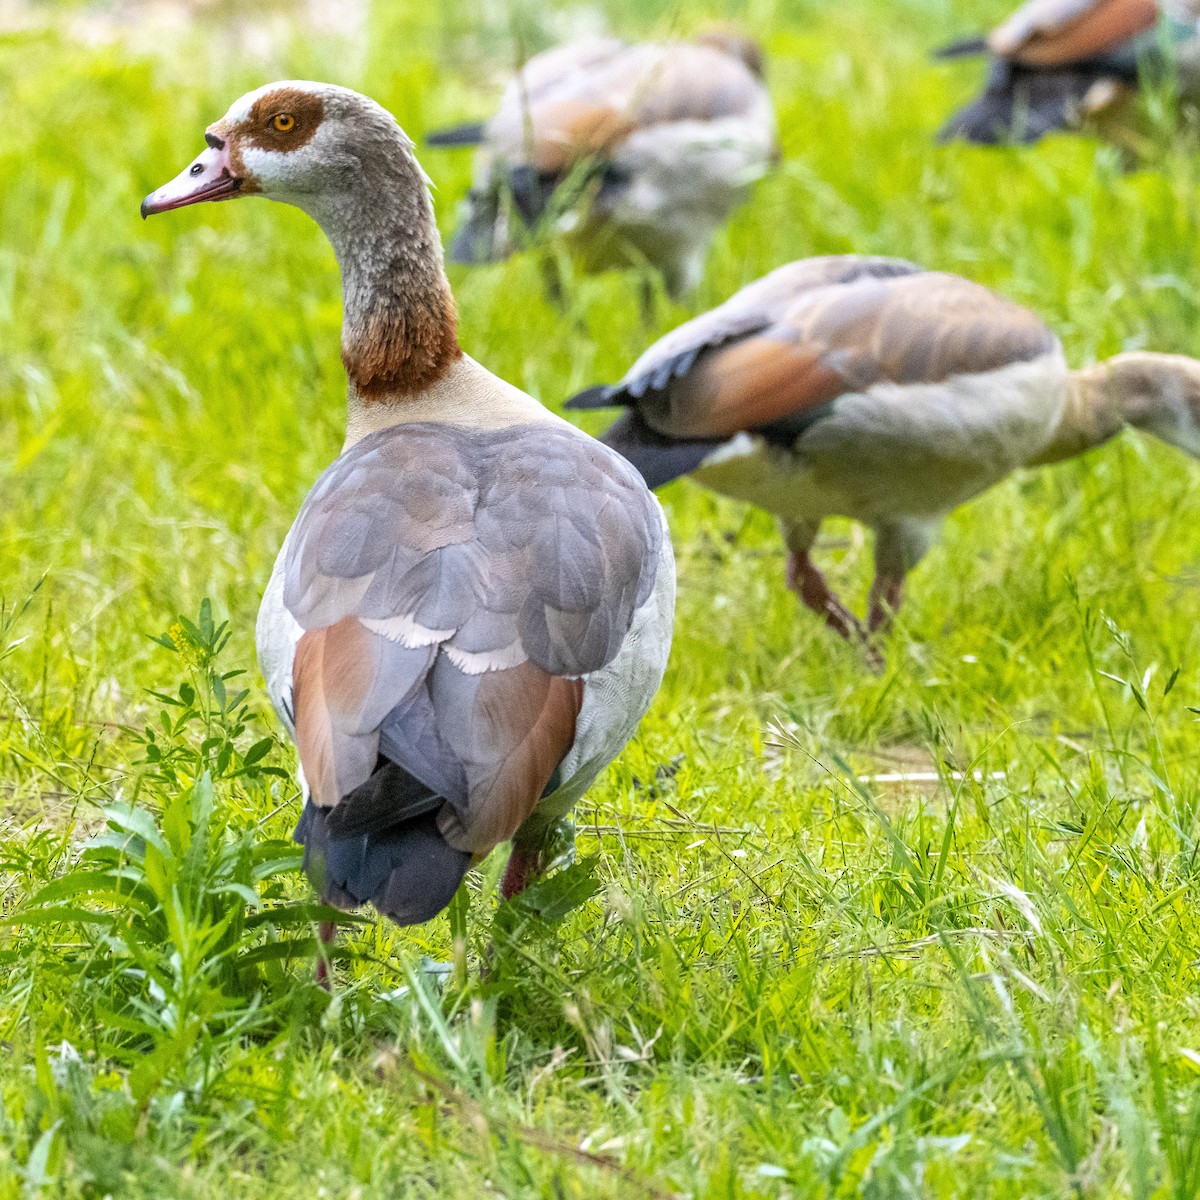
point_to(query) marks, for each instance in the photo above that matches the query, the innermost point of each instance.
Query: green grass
(789, 982)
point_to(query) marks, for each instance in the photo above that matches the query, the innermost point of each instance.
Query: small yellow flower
(183, 644)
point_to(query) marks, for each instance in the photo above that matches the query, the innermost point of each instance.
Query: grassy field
(787, 976)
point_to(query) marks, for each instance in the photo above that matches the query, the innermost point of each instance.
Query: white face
(286, 141)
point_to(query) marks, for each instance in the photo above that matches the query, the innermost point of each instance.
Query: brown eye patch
(283, 120)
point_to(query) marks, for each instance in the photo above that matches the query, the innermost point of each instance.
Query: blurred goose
(1058, 64)
(473, 608)
(633, 152)
(872, 389)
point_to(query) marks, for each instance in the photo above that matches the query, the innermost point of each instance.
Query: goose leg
(524, 866)
(804, 578)
(544, 843)
(887, 591)
(553, 282)
(647, 298)
(682, 272)
(327, 932)
(810, 585)
(898, 548)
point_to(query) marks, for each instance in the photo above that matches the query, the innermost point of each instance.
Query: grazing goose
(1058, 64)
(473, 609)
(632, 152)
(872, 389)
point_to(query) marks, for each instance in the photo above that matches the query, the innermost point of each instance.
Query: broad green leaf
(61, 914)
(139, 822)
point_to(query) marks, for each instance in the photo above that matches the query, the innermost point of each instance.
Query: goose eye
(284, 122)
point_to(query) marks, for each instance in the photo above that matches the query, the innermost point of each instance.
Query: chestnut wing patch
(1049, 33)
(827, 340)
(589, 109)
(570, 130)
(752, 310)
(454, 585)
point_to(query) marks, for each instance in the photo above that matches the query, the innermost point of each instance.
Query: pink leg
(886, 593)
(809, 584)
(524, 866)
(327, 932)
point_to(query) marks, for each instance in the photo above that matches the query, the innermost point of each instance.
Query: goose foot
(810, 585)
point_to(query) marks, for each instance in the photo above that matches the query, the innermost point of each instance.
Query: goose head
(296, 141)
(729, 39)
(345, 161)
(1159, 394)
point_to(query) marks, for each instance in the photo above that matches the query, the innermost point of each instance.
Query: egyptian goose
(632, 152)
(872, 389)
(1058, 64)
(473, 609)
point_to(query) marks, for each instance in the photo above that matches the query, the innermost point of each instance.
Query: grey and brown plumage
(1062, 64)
(631, 152)
(872, 389)
(473, 608)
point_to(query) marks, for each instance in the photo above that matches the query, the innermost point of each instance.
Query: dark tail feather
(382, 844)
(967, 47)
(390, 797)
(468, 134)
(991, 120)
(531, 193)
(1020, 107)
(600, 396)
(658, 459)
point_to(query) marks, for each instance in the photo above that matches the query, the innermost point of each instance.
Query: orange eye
(284, 122)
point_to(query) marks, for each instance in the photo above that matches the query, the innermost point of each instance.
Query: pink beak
(208, 178)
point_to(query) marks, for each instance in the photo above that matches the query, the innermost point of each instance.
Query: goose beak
(208, 178)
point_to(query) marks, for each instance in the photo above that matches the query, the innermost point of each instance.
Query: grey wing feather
(461, 553)
(410, 735)
(658, 458)
(756, 307)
